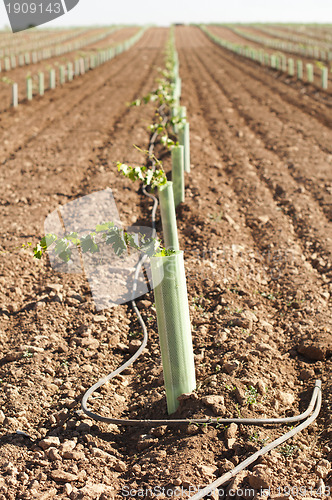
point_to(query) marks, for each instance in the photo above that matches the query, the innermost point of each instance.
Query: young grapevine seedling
(105, 232)
(148, 176)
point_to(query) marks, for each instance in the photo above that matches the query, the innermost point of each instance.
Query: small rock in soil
(261, 387)
(97, 452)
(285, 398)
(241, 322)
(231, 366)
(206, 470)
(53, 454)
(63, 477)
(93, 491)
(259, 478)
(67, 446)
(323, 468)
(74, 455)
(99, 318)
(120, 466)
(230, 443)
(144, 304)
(49, 441)
(134, 345)
(310, 351)
(54, 287)
(307, 374)
(240, 395)
(216, 402)
(231, 431)
(68, 489)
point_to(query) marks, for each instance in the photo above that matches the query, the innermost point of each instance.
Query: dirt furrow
(311, 101)
(216, 143)
(246, 181)
(105, 122)
(19, 74)
(307, 217)
(228, 34)
(253, 299)
(56, 106)
(65, 141)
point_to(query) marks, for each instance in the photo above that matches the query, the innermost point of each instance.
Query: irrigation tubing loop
(310, 414)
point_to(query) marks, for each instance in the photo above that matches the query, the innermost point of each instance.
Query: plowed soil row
(228, 34)
(287, 35)
(256, 231)
(316, 33)
(30, 39)
(19, 74)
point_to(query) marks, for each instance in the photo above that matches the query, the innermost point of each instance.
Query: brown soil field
(19, 74)
(256, 231)
(27, 41)
(319, 33)
(227, 34)
(284, 34)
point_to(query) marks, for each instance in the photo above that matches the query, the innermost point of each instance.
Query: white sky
(164, 12)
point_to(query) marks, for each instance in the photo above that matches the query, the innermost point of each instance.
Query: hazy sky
(163, 12)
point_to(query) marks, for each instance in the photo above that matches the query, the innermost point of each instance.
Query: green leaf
(73, 237)
(88, 244)
(116, 239)
(105, 226)
(164, 252)
(65, 255)
(47, 240)
(130, 240)
(38, 251)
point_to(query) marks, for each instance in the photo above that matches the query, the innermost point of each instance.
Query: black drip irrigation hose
(310, 414)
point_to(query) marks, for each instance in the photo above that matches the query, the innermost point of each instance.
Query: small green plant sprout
(238, 410)
(229, 387)
(215, 217)
(163, 94)
(107, 233)
(269, 296)
(148, 176)
(254, 437)
(320, 64)
(135, 335)
(251, 395)
(219, 424)
(27, 354)
(7, 80)
(177, 120)
(165, 252)
(167, 142)
(160, 128)
(197, 303)
(288, 449)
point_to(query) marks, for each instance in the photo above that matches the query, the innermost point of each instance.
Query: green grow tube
(178, 174)
(171, 299)
(168, 216)
(184, 140)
